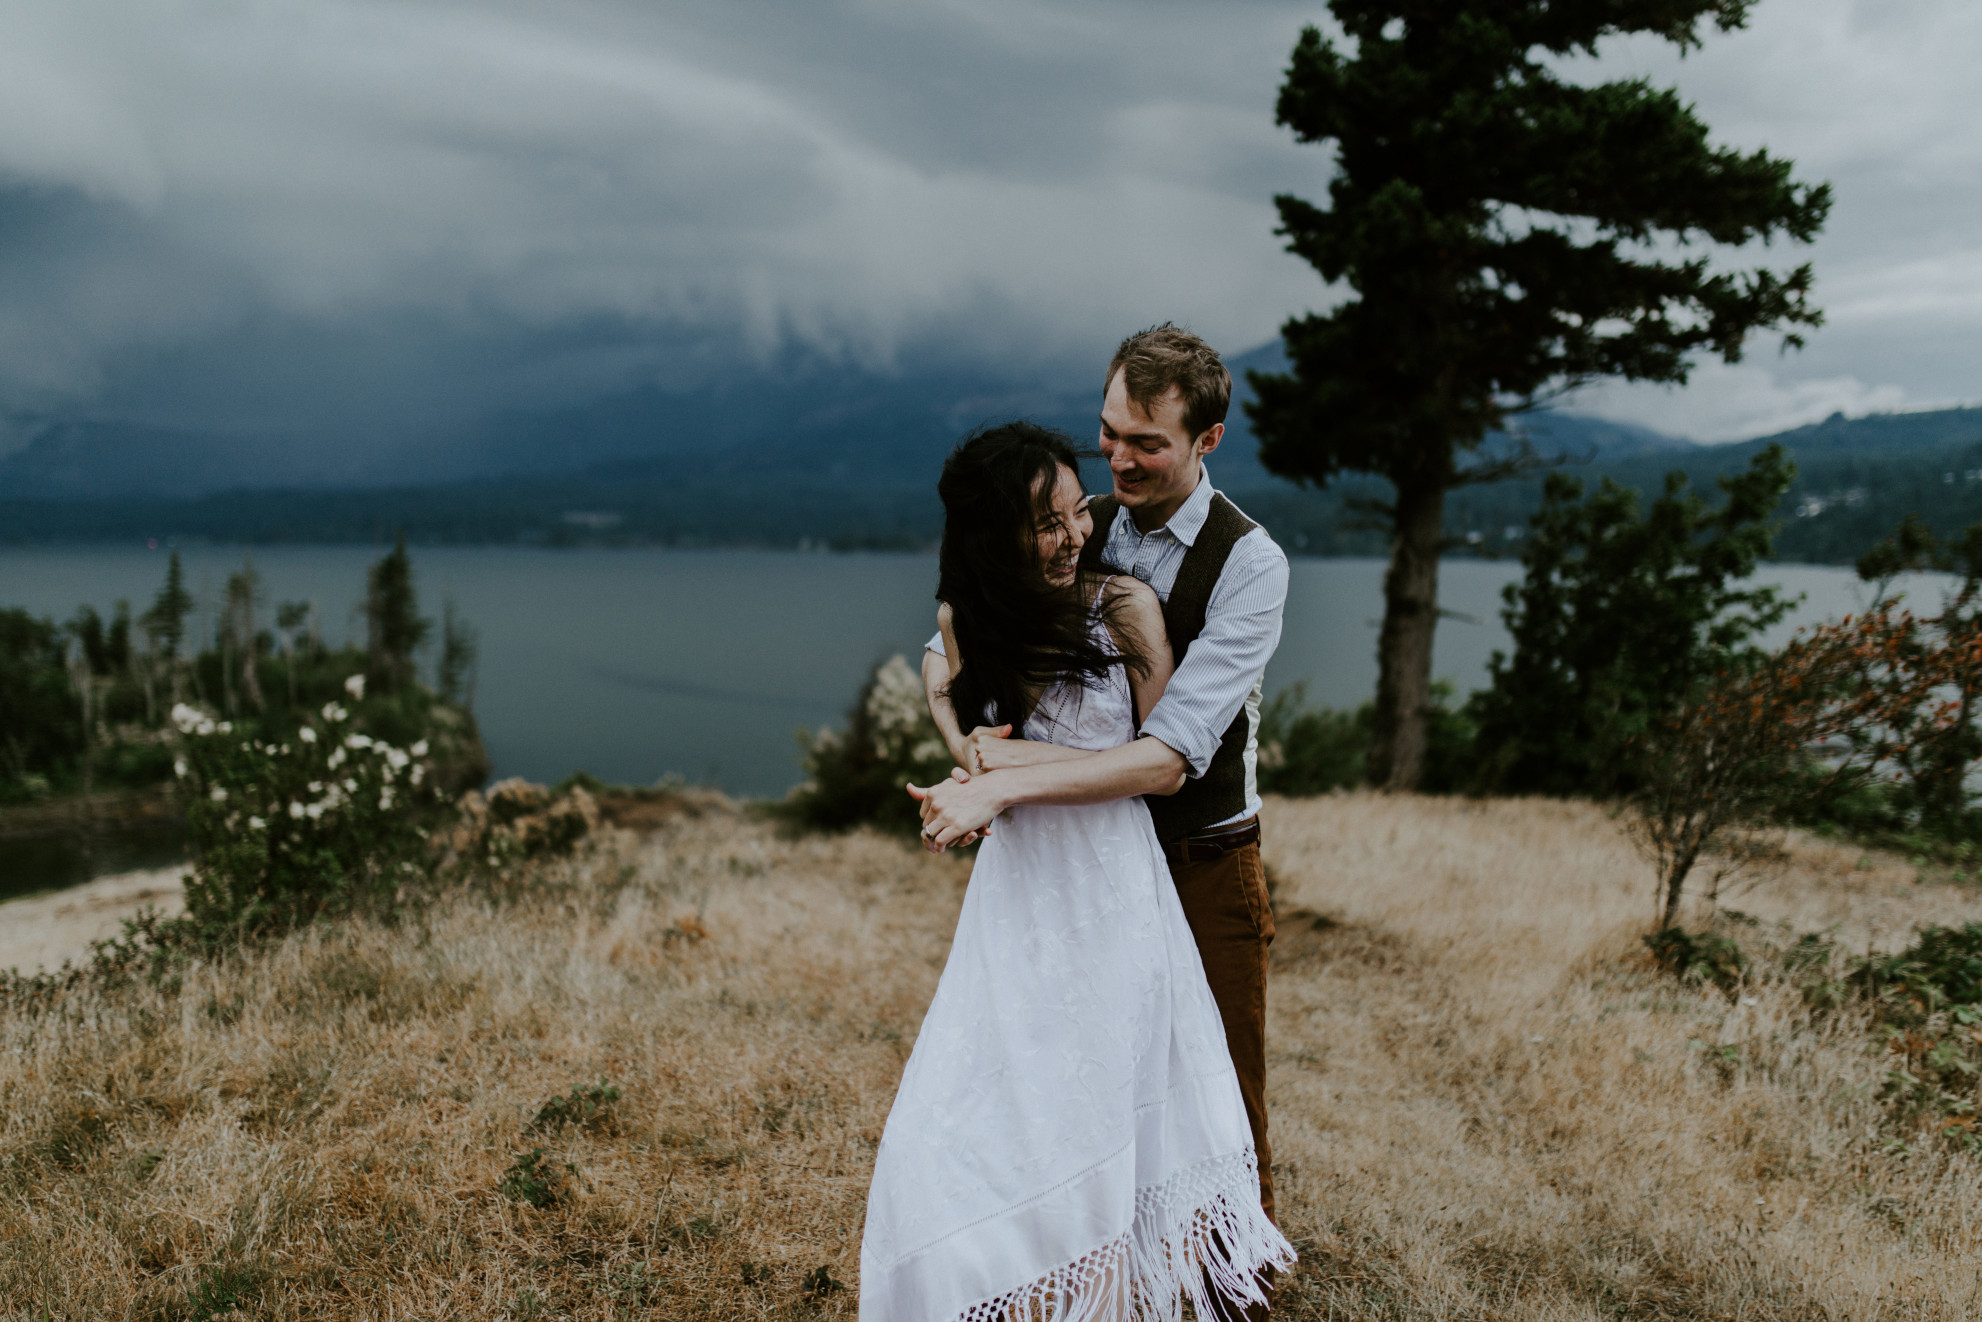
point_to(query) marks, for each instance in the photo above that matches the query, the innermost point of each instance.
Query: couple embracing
(1080, 1132)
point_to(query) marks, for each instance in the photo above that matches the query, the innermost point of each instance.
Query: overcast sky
(304, 215)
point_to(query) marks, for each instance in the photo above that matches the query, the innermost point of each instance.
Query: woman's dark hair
(1016, 632)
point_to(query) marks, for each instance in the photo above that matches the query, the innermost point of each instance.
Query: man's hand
(957, 810)
(991, 748)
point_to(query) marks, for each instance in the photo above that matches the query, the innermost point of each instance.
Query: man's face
(1153, 459)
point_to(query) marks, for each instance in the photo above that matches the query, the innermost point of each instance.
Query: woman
(1068, 1141)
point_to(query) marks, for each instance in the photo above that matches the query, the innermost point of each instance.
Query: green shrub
(330, 821)
(1312, 750)
(587, 1105)
(534, 1179)
(1699, 957)
(1942, 969)
(858, 778)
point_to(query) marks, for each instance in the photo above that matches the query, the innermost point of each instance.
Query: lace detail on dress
(1200, 1235)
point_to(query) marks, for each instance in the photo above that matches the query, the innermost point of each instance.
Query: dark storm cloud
(313, 216)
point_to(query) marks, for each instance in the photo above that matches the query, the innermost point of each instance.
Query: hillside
(1486, 1102)
(842, 458)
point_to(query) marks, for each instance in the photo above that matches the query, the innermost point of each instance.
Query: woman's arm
(1136, 624)
(936, 674)
(988, 746)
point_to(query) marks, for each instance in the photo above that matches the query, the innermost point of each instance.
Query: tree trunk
(1403, 649)
(1675, 886)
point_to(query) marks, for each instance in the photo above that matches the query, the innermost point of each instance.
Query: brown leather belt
(1207, 845)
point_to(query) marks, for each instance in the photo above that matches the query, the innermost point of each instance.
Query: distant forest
(1856, 478)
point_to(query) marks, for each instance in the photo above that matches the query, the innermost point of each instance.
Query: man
(1223, 583)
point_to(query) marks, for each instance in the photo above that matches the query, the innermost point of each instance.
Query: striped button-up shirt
(1222, 673)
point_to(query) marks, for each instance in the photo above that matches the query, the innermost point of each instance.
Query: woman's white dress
(1068, 1141)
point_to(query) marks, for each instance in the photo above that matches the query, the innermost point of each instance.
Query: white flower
(179, 768)
(219, 794)
(357, 741)
(315, 811)
(256, 824)
(336, 758)
(296, 810)
(225, 727)
(191, 720)
(385, 798)
(420, 749)
(355, 686)
(396, 759)
(418, 772)
(350, 787)
(307, 735)
(333, 712)
(316, 787)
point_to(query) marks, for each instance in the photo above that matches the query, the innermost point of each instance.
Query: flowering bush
(330, 821)
(890, 740)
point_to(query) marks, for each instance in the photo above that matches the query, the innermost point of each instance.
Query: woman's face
(1062, 527)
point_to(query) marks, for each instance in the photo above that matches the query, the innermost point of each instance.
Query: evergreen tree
(394, 630)
(292, 618)
(1504, 236)
(240, 637)
(1620, 617)
(165, 623)
(459, 648)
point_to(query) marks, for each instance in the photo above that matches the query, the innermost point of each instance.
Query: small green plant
(819, 1283)
(587, 1105)
(637, 1285)
(1699, 957)
(535, 1180)
(220, 1291)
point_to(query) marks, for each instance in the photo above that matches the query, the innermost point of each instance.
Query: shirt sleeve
(936, 645)
(1241, 629)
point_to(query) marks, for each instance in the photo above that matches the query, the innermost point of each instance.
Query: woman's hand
(958, 810)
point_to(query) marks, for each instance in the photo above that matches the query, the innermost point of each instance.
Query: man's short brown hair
(1153, 360)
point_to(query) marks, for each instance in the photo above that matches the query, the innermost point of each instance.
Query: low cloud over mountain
(348, 242)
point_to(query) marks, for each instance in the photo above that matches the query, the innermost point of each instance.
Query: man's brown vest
(1220, 793)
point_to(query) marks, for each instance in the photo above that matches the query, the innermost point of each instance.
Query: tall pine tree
(1504, 235)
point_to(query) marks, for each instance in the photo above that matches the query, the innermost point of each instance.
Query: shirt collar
(1189, 519)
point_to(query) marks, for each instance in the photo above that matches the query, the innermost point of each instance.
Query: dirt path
(42, 931)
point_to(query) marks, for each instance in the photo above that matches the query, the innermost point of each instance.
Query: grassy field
(1487, 1104)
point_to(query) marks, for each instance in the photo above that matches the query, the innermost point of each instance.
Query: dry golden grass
(1486, 1104)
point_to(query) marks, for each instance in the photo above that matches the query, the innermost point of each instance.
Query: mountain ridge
(842, 458)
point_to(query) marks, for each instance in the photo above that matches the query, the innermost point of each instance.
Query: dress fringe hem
(1199, 1235)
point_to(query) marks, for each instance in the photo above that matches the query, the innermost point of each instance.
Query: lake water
(635, 664)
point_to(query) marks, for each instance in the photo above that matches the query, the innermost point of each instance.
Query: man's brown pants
(1225, 903)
